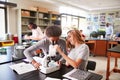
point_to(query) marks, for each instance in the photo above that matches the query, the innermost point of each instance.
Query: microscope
(48, 64)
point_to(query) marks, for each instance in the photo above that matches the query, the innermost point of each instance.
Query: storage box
(54, 12)
(25, 13)
(45, 10)
(33, 8)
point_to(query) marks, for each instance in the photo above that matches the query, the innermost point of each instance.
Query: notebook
(77, 74)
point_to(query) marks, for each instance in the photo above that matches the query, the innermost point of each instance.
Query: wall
(30, 3)
(109, 16)
(23, 4)
(26, 4)
(12, 20)
(12, 12)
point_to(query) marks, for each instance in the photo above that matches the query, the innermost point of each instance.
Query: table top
(115, 49)
(6, 73)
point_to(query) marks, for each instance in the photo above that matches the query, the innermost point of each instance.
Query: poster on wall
(117, 15)
(89, 17)
(95, 18)
(102, 20)
(110, 17)
(102, 17)
(89, 27)
(102, 23)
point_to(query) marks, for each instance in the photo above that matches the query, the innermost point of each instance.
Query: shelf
(29, 17)
(55, 20)
(41, 19)
(24, 25)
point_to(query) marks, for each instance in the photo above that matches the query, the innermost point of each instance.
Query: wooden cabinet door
(101, 47)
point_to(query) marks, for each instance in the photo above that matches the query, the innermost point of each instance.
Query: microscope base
(47, 70)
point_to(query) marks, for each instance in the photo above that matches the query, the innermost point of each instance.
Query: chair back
(91, 65)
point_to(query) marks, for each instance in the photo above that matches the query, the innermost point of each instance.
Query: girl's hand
(36, 64)
(59, 63)
(57, 48)
(67, 64)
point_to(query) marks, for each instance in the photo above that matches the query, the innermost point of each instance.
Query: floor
(102, 65)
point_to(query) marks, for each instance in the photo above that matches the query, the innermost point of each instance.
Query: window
(3, 0)
(2, 22)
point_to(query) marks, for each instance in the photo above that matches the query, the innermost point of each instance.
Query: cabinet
(48, 19)
(41, 19)
(27, 16)
(101, 47)
(55, 19)
(98, 47)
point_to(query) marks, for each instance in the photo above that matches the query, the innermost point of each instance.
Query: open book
(77, 74)
(22, 67)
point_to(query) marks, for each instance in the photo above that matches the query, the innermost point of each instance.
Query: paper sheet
(22, 67)
(49, 78)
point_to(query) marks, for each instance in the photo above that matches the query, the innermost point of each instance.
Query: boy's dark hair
(34, 26)
(53, 31)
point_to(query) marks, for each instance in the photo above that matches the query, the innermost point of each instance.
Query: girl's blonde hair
(77, 37)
